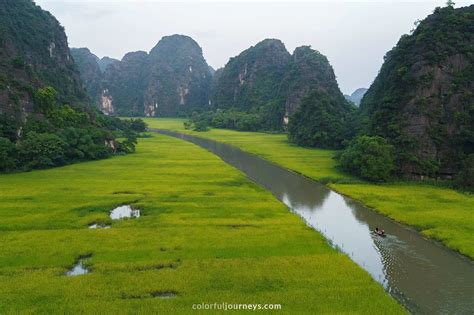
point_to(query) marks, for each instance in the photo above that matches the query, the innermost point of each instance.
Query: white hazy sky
(354, 35)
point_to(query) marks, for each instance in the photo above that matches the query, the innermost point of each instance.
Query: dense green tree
(7, 155)
(8, 127)
(371, 158)
(322, 121)
(465, 178)
(45, 99)
(40, 150)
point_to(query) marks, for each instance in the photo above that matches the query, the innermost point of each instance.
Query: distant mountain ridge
(356, 96)
(174, 79)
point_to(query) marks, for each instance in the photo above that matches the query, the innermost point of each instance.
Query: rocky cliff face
(124, 84)
(33, 53)
(422, 100)
(173, 79)
(90, 71)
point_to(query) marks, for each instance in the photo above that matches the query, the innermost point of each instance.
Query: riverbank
(437, 212)
(206, 234)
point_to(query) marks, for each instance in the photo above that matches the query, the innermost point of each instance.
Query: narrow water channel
(424, 276)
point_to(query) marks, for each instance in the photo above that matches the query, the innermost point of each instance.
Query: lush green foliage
(59, 134)
(7, 155)
(425, 112)
(205, 232)
(438, 212)
(227, 119)
(322, 121)
(371, 158)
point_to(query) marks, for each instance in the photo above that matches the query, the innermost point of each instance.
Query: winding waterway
(424, 276)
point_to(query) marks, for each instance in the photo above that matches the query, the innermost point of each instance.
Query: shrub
(371, 158)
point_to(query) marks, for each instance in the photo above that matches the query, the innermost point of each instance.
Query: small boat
(379, 232)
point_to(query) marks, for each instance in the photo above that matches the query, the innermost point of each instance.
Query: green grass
(206, 232)
(437, 212)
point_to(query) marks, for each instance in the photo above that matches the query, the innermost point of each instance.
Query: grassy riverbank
(441, 213)
(206, 233)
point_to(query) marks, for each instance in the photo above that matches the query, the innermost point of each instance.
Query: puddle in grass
(124, 212)
(165, 294)
(99, 226)
(79, 268)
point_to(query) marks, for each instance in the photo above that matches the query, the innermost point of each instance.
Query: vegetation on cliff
(44, 119)
(422, 101)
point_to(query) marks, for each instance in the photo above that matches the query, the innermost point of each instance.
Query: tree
(371, 158)
(46, 98)
(8, 127)
(321, 121)
(7, 155)
(40, 150)
(450, 3)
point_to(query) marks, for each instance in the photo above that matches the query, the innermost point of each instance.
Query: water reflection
(78, 269)
(125, 211)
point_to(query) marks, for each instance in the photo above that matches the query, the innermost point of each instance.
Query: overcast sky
(354, 35)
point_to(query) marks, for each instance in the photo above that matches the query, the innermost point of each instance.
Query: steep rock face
(356, 96)
(91, 74)
(307, 71)
(422, 100)
(179, 79)
(124, 84)
(252, 79)
(33, 53)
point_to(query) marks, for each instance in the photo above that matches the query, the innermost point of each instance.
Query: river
(424, 276)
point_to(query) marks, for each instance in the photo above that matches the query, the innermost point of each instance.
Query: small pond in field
(164, 294)
(99, 226)
(78, 269)
(124, 211)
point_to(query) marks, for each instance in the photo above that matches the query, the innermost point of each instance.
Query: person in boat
(379, 231)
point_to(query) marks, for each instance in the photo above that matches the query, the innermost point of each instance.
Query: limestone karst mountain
(422, 99)
(173, 79)
(34, 53)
